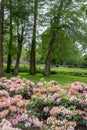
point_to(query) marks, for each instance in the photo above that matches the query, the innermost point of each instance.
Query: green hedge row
(61, 71)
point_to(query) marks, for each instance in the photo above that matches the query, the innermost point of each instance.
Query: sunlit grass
(63, 76)
(62, 80)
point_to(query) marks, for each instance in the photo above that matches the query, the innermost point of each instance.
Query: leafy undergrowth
(80, 72)
(42, 106)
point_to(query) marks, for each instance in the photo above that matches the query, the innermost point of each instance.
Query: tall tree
(9, 58)
(1, 36)
(61, 18)
(54, 24)
(19, 48)
(33, 46)
(21, 15)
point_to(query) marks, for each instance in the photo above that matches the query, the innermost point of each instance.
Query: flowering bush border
(44, 106)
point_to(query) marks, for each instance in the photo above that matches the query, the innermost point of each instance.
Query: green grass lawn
(61, 75)
(62, 80)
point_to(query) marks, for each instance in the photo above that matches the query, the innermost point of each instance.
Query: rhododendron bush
(14, 97)
(60, 108)
(42, 106)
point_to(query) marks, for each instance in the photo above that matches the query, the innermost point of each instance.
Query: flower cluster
(78, 87)
(17, 85)
(60, 125)
(13, 104)
(60, 110)
(6, 125)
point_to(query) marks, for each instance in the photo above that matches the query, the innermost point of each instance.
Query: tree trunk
(9, 59)
(9, 62)
(48, 58)
(20, 42)
(54, 26)
(17, 62)
(33, 46)
(1, 36)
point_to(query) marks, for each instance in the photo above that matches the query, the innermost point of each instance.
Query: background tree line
(43, 31)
